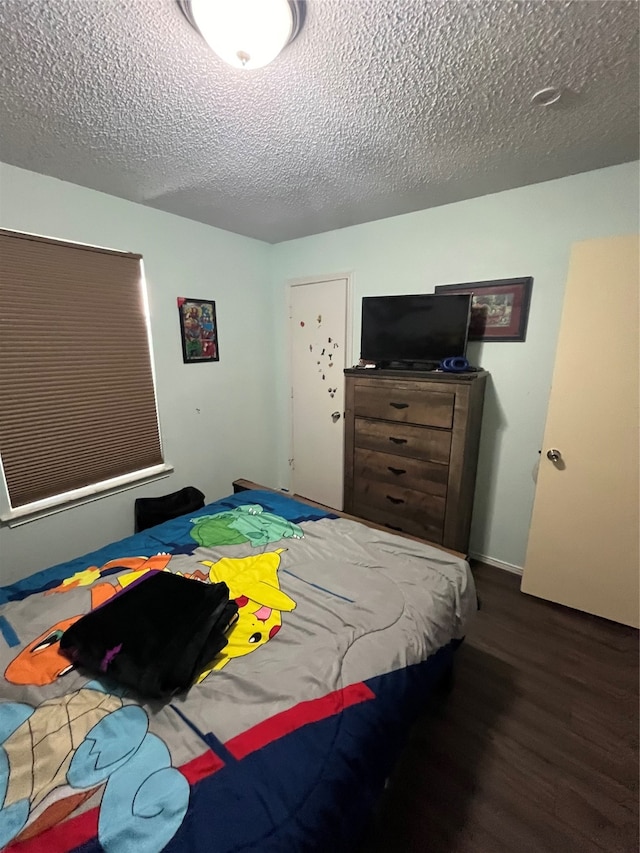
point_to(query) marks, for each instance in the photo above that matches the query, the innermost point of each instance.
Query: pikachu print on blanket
(253, 583)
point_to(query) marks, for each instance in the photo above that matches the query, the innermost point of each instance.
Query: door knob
(554, 455)
(335, 417)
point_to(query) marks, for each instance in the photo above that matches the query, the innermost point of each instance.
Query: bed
(285, 744)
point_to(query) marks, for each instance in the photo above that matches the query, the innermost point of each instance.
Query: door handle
(554, 455)
(335, 417)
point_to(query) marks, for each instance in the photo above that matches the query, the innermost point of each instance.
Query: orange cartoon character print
(41, 662)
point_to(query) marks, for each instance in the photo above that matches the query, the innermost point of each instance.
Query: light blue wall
(216, 418)
(230, 419)
(522, 232)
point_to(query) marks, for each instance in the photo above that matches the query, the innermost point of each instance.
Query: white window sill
(78, 497)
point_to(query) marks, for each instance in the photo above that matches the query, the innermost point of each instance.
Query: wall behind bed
(522, 232)
(216, 418)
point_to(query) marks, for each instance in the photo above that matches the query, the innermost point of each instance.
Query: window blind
(77, 399)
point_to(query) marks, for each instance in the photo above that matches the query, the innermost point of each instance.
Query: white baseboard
(498, 564)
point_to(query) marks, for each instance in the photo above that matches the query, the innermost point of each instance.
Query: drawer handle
(399, 405)
(397, 440)
(393, 527)
(396, 471)
(395, 500)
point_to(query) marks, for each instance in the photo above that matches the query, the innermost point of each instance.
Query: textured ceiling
(379, 107)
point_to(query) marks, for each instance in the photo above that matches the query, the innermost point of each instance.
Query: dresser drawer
(403, 509)
(434, 533)
(407, 403)
(430, 477)
(411, 449)
(432, 445)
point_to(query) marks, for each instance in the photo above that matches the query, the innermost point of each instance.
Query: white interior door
(319, 317)
(583, 543)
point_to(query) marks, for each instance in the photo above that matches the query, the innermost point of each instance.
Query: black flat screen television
(414, 330)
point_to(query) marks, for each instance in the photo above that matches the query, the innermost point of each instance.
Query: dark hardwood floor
(535, 750)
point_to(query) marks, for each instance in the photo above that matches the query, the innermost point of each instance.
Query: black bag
(151, 511)
(156, 636)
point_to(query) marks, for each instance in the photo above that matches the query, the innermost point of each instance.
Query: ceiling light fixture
(245, 33)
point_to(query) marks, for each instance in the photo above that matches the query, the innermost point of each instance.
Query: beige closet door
(319, 312)
(583, 543)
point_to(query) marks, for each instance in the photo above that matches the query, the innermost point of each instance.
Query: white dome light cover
(245, 33)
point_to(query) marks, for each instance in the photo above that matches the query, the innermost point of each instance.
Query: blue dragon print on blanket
(144, 800)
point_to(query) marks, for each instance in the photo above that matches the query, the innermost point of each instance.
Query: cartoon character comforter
(286, 740)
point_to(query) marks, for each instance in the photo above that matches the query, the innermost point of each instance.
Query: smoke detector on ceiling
(245, 33)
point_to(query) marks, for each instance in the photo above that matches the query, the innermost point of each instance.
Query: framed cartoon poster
(499, 309)
(198, 330)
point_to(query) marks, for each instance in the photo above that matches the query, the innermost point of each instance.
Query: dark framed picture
(198, 330)
(499, 309)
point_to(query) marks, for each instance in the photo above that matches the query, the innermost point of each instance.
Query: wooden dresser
(411, 451)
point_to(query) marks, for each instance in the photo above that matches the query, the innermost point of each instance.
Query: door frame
(297, 282)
